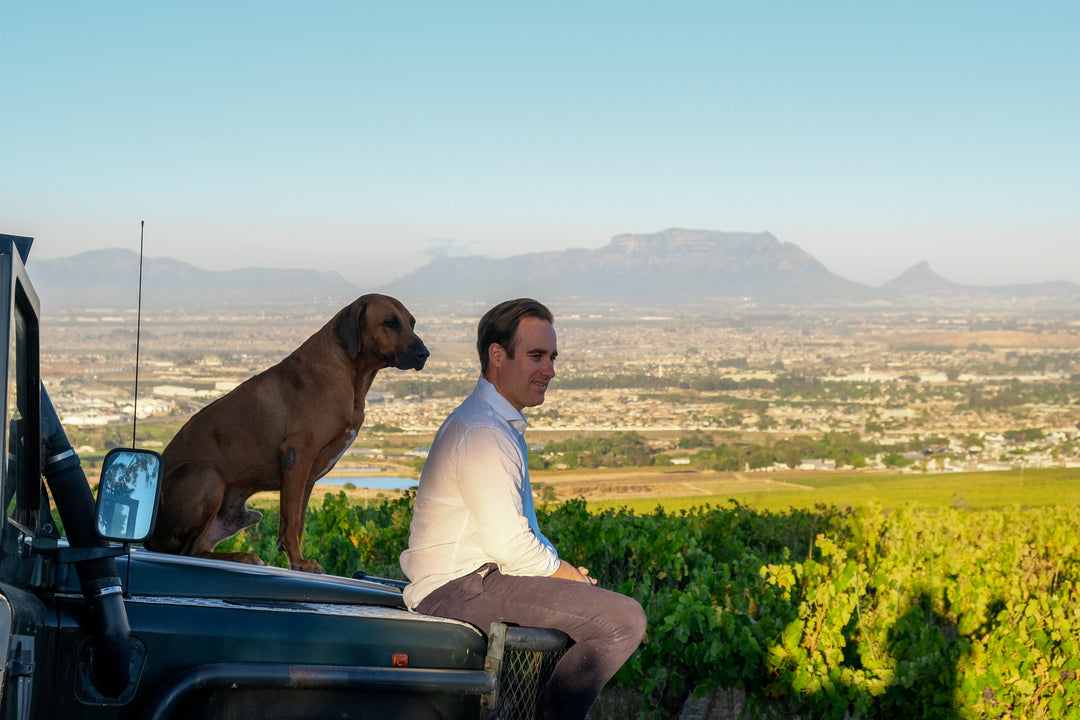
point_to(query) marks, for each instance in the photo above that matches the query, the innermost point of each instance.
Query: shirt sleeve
(492, 485)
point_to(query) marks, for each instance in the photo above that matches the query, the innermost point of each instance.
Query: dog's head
(380, 326)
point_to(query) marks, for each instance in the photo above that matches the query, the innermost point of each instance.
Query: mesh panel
(524, 675)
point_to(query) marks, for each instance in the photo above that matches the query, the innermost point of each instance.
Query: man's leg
(606, 627)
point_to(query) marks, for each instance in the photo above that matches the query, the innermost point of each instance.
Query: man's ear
(347, 327)
(496, 355)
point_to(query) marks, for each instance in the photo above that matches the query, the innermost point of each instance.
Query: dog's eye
(392, 323)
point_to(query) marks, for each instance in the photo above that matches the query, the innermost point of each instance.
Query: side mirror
(127, 499)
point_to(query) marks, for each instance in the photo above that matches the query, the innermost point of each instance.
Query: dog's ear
(347, 327)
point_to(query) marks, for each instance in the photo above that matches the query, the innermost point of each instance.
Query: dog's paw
(309, 566)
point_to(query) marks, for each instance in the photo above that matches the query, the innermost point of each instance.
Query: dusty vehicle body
(93, 628)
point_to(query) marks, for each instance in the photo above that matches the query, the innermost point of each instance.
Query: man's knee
(630, 616)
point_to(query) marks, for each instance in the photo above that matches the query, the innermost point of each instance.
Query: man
(475, 550)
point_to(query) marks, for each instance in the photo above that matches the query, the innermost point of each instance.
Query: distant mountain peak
(922, 280)
(671, 268)
(110, 278)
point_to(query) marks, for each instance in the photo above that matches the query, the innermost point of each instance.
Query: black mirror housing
(127, 500)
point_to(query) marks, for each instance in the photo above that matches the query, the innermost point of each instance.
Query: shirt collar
(500, 405)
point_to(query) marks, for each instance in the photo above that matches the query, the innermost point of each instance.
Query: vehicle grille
(528, 658)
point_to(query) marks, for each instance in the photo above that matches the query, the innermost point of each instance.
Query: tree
(1025, 435)
(546, 492)
(896, 460)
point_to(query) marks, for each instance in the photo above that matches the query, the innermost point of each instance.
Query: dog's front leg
(294, 496)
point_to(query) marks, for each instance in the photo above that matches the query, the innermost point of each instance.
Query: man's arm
(566, 571)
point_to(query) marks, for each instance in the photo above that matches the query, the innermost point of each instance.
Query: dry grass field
(647, 483)
(1059, 339)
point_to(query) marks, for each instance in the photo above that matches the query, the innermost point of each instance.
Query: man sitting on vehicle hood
(476, 552)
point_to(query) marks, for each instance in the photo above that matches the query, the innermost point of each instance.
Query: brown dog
(283, 429)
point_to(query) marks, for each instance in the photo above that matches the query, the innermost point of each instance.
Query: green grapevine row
(821, 613)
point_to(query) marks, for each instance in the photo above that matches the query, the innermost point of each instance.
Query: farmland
(974, 491)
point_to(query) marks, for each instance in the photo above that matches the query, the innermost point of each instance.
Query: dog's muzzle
(411, 359)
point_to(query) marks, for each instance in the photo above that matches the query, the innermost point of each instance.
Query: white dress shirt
(474, 504)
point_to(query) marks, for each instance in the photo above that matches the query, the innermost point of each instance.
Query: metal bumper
(518, 664)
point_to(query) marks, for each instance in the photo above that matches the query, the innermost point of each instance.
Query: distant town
(912, 391)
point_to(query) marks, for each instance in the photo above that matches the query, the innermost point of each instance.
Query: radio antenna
(138, 335)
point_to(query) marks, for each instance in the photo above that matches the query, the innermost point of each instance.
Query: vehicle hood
(145, 573)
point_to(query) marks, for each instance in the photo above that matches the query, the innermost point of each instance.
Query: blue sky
(364, 137)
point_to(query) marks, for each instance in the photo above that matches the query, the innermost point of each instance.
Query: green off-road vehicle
(91, 627)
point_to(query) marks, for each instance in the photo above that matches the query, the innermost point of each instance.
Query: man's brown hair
(500, 324)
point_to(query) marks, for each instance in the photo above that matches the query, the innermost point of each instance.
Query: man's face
(523, 379)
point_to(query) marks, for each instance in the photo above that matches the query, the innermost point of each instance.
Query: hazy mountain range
(671, 269)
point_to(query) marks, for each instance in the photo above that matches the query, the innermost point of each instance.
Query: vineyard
(820, 613)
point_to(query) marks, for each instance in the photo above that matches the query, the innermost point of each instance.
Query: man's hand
(585, 574)
(567, 571)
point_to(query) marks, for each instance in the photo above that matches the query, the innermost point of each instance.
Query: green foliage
(734, 457)
(896, 460)
(823, 613)
(844, 448)
(1025, 435)
(1002, 400)
(343, 538)
(695, 439)
(621, 449)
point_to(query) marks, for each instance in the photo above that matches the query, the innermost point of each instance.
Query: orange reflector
(399, 660)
